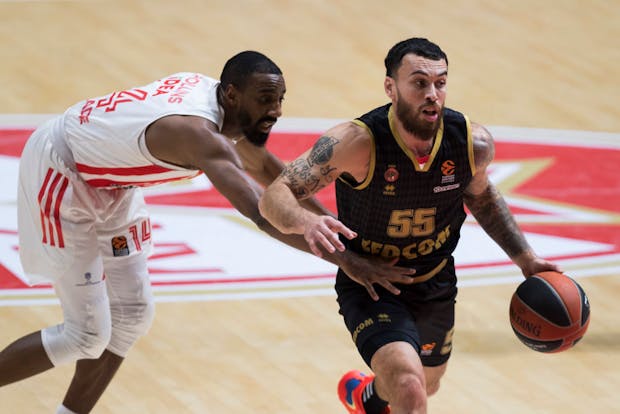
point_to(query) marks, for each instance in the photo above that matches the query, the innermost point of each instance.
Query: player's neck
(420, 146)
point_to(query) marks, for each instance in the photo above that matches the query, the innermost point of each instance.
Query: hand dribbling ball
(549, 312)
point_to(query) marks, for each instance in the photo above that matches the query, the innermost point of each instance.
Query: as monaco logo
(205, 250)
(391, 174)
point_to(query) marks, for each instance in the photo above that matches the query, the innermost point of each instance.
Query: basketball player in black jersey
(403, 173)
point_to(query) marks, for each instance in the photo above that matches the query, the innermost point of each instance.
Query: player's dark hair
(416, 45)
(240, 67)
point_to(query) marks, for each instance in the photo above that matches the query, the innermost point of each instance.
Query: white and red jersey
(106, 134)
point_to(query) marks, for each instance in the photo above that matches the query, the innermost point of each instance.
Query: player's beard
(414, 123)
(251, 131)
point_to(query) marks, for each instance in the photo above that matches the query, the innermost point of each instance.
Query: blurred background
(519, 63)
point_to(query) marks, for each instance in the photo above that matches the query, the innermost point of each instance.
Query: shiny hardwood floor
(520, 63)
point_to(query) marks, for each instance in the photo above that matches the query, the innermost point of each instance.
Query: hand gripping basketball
(549, 312)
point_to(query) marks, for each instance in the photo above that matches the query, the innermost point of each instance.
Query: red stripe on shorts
(50, 197)
(40, 198)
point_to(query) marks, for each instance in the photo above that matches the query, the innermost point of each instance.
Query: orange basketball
(549, 312)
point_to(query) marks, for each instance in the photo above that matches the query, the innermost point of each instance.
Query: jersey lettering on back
(106, 134)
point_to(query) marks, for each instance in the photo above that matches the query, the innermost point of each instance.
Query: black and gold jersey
(404, 208)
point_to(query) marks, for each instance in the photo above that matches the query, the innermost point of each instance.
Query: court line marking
(324, 287)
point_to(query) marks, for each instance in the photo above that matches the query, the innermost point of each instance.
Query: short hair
(240, 67)
(416, 45)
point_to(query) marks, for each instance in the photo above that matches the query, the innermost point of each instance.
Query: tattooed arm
(264, 167)
(344, 149)
(492, 213)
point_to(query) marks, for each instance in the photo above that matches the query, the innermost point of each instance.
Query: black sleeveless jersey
(403, 208)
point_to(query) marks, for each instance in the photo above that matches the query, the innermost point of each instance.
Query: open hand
(368, 270)
(322, 231)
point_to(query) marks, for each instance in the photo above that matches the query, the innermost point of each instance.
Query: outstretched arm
(265, 167)
(492, 213)
(344, 149)
(198, 145)
(194, 142)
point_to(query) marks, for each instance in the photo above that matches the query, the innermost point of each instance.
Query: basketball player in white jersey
(82, 220)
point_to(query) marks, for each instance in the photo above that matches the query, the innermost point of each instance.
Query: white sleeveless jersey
(106, 134)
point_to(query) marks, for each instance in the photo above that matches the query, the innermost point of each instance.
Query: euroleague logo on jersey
(448, 167)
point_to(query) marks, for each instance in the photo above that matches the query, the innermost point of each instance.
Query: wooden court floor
(518, 63)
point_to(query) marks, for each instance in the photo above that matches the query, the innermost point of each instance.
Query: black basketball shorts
(422, 315)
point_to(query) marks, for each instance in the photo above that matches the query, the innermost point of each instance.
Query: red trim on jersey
(143, 170)
(102, 182)
(422, 160)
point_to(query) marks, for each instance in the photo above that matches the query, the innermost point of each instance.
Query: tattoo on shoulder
(322, 150)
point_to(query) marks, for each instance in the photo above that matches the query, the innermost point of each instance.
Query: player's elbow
(264, 225)
(263, 207)
(267, 217)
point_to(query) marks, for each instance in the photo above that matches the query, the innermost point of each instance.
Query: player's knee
(89, 340)
(143, 322)
(411, 392)
(412, 385)
(91, 345)
(70, 342)
(130, 322)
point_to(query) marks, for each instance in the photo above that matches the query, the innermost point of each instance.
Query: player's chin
(258, 138)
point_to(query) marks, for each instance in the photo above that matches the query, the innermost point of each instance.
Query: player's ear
(231, 94)
(389, 86)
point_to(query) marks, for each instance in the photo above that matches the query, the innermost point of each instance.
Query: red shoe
(350, 390)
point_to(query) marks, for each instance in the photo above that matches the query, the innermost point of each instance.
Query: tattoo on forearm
(494, 216)
(303, 181)
(322, 150)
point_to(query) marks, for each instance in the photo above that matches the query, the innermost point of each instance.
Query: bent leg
(90, 380)
(83, 338)
(131, 304)
(132, 310)
(400, 378)
(23, 358)
(131, 300)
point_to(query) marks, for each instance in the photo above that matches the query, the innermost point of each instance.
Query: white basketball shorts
(65, 226)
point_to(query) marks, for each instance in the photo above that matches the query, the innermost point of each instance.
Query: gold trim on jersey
(406, 150)
(470, 146)
(429, 275)
(371, 163)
